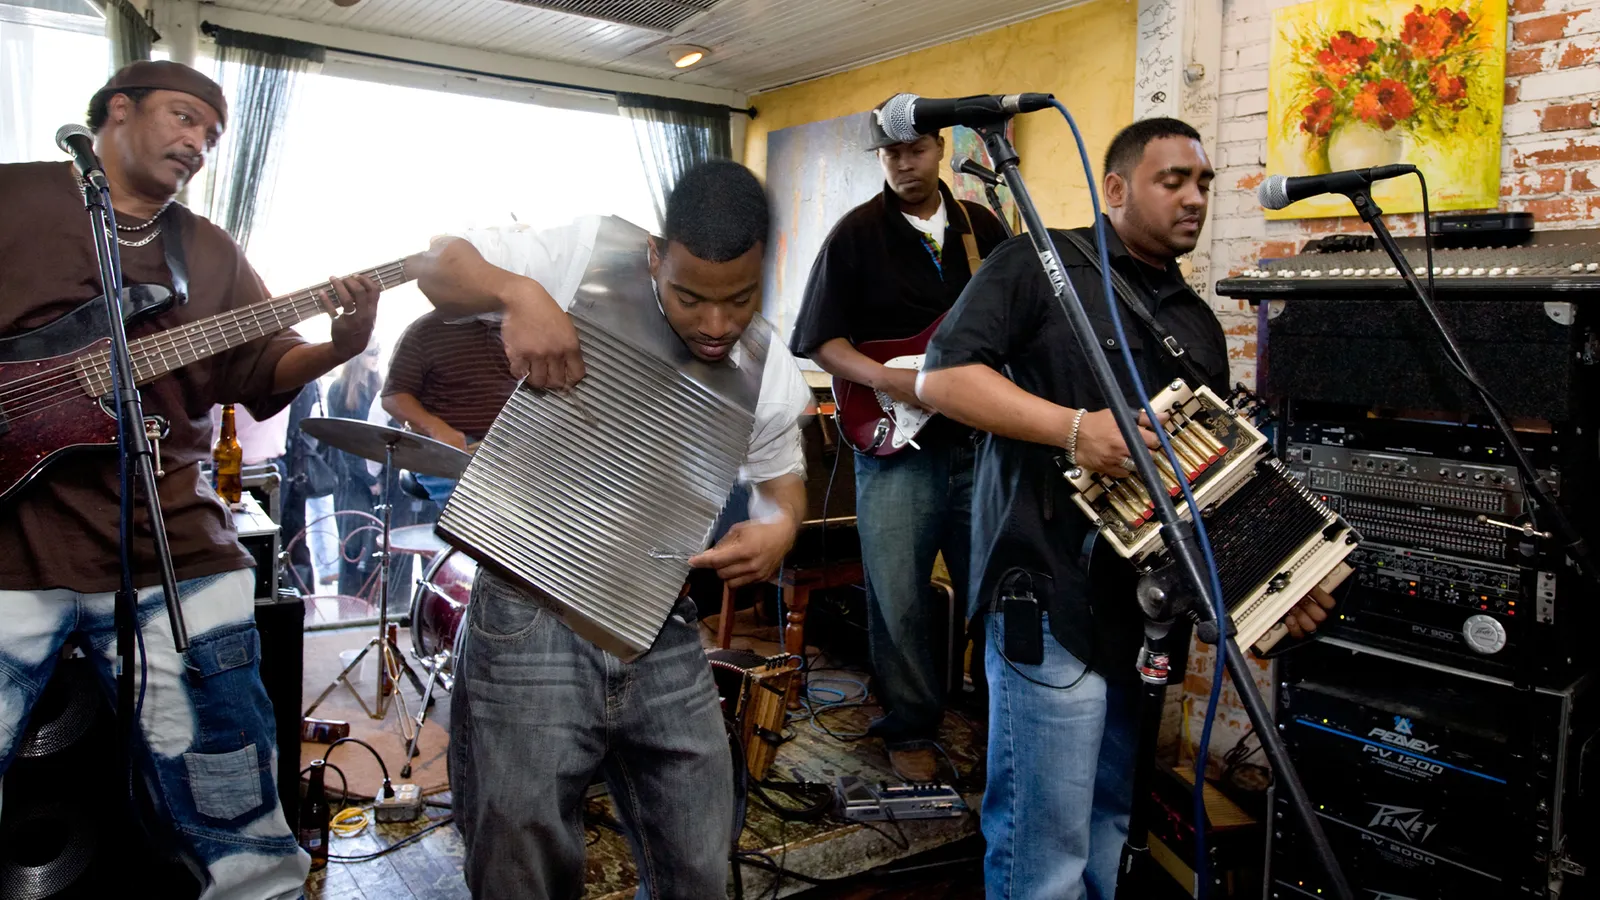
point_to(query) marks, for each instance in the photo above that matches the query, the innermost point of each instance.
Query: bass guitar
(55, 380)
(871, 421)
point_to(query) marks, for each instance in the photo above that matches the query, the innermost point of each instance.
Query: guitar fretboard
(158, 354)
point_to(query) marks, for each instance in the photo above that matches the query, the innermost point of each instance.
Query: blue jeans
(537, 712)
(1060, 784)
(206, 724)
(439, 489)
(909, 507)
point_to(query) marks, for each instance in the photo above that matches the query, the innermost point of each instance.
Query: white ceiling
(755, 44)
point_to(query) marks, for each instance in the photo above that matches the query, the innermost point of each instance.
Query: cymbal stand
(391, 662)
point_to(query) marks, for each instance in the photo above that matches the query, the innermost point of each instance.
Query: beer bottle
(227, 459)
(311, 829)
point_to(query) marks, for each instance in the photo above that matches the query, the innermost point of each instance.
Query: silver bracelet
(1072, 439)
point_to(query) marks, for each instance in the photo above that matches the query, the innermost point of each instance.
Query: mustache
(190, 161)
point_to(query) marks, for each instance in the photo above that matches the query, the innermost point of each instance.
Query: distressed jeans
(206, 722)
(538, 711)
(1060, 782)
(909, 507)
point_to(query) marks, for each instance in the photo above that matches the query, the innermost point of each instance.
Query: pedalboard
(863, 801)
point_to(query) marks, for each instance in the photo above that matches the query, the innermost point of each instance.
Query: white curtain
(16, 92)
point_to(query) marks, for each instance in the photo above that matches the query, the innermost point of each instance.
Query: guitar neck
(158, 354)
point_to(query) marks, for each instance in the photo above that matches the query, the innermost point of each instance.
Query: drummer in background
(447, 381)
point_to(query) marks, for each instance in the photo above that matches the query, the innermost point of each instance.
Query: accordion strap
(1130, 302)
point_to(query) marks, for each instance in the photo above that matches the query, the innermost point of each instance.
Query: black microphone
(1279, 191)
(78, 142)
(970, 166)
(905, 116)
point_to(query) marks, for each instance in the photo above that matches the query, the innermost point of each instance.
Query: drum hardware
(438, 613)
(390, 446)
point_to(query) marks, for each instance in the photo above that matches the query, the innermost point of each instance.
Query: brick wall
(1550, 149)
(1550, 166)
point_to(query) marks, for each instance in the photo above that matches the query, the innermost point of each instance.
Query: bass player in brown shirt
(205, 720)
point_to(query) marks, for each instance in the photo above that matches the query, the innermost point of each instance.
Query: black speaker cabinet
(281, 623)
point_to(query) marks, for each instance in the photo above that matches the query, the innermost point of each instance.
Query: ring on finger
(1127, 463)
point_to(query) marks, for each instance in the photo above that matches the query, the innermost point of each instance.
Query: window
(47, 73)
(370, 171)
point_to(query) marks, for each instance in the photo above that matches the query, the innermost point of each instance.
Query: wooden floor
(868, 863)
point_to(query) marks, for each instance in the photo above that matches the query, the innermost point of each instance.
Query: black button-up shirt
(1022, 511)
(875, 279)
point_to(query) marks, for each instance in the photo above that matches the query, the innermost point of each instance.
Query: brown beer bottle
(311, 827)
(227, 458)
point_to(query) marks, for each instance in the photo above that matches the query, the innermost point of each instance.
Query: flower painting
(1358, 83)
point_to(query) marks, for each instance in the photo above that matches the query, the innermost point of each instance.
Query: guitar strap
(174, 225)
(969, 241)
(1130, 302)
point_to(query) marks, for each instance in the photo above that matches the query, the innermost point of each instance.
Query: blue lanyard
(932, 246)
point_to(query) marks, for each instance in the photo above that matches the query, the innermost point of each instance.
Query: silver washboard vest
(581, 498)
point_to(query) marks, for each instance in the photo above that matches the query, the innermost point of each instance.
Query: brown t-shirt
(61, 530)
(456, 370)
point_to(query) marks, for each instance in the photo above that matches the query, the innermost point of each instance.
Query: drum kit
(439, 603)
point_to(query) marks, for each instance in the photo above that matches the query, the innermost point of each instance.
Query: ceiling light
(685, 55)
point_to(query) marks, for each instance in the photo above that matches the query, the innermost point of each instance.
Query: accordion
(1273, 540)
(592, 501)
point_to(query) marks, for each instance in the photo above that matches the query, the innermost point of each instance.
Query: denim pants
(537, 712)
(909, 507)
(1060, 783)
(438, 487)
(207, 725)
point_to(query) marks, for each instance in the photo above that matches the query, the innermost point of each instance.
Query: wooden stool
(797, 585)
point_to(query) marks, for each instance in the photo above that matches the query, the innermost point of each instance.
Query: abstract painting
(965, 143)
(816, 173)
(1358, 83)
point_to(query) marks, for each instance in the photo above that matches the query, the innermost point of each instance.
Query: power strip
(404, 806)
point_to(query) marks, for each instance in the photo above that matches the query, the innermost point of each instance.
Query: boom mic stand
(1160, 604)
(135, 469)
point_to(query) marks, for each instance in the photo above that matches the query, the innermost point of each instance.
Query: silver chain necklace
(139, 227)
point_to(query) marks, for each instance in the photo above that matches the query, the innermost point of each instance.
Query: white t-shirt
(557, 259)
(934, 225)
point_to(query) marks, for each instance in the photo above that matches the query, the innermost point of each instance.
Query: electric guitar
(871, 421)
(55, 380)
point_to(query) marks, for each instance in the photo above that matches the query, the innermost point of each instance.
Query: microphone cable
(1217, 608)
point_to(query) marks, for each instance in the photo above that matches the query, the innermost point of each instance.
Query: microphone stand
(135, 469)
(990, 181)
(1156, 600)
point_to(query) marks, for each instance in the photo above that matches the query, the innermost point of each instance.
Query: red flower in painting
(1383, 103)
(1428, 34)
(1447, 88)
(1346, 53)
(1319, 115)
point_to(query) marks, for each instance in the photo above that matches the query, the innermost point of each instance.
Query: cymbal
(422, 455)
(418, 539)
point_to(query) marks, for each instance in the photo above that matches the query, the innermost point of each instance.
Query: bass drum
(438, 608)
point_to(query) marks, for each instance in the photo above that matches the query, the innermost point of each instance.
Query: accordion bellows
(569, 495)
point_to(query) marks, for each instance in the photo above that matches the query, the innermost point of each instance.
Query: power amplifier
(1434, 784)
(1443, 570)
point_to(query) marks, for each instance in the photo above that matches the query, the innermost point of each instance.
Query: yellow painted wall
(1084, 55)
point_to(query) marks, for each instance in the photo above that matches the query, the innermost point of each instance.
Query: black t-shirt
(1022, 511)
(875, 278)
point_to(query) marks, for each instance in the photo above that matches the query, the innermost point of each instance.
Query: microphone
(970, 166)
(905, 116)
(1279, 191)
(78, 143)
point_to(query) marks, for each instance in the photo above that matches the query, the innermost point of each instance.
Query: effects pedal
(860, 801)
